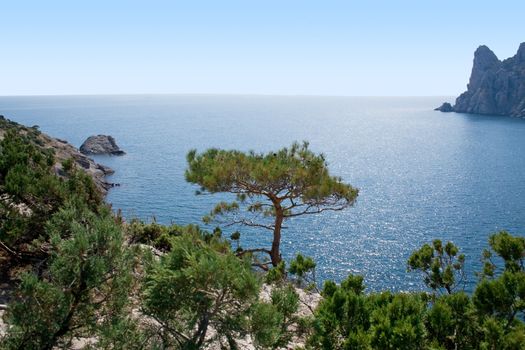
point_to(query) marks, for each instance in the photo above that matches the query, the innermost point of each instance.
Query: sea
(421, 174)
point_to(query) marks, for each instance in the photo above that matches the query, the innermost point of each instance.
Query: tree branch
(249, 223)
(247, 251)
(307, 211)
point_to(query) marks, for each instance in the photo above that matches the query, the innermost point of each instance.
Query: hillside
(62, 151)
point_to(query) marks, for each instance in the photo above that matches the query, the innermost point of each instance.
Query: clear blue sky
(390, 47)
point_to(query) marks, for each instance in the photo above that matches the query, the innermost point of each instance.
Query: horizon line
(211, 94)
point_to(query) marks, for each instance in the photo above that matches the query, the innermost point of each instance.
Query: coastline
(63, 151)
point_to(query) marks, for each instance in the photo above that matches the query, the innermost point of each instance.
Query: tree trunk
(65, 325)
(199, 337)
(275, 253)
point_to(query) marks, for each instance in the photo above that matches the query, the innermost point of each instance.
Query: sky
(281, 47)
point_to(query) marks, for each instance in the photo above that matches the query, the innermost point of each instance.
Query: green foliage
(342, 319)
(441, 265)
(296, 168)
(235, 236)
(492, 318)
(160, 236)
(37, 301)
(195, 287)
(26, 183)
(301, 266)
(452, 323)
(30, 191)
(304, 269)
(503, 297)
(277, 274)
(88, 276)
(270, 188)
(61, 228)
(266, 323)
(509, 248)
(499, 297)
(398, 322)
(495, 336)
(348, 319)
(125, 333)
(152, 234)
(271, 323)
(286, 299)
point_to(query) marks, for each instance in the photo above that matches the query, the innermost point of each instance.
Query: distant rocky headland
(495, 87)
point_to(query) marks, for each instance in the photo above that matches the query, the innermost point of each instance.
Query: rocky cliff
(495, 87)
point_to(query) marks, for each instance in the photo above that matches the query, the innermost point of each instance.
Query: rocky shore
(63, 151)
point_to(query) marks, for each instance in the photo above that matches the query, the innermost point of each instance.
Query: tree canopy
(270, 187)
(441, 265)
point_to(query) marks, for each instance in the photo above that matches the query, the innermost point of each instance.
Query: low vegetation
(82, 277)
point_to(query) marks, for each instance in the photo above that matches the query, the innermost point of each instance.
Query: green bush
(84, 288)
(195, 287)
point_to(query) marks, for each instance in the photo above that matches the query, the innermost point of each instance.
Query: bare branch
(249, 223)
(262, 266)
(247, 251)
(318, 210)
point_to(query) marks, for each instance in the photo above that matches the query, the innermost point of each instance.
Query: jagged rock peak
(484, 58)
(520, 56)
(495, 87)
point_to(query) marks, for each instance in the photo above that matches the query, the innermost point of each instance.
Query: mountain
(495, 87)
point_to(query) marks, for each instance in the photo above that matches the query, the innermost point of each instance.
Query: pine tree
(270, 188)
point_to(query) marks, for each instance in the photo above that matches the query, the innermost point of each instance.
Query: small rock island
(101, 144)
(445, 107)
(495, 87)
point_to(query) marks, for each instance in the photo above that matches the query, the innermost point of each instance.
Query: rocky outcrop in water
(445, 107)
(101, 144)
(495, 87)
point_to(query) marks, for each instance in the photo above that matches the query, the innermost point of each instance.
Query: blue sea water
(422, 174)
